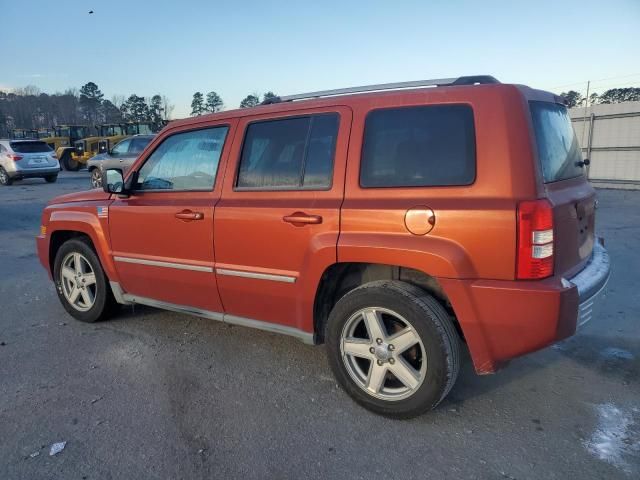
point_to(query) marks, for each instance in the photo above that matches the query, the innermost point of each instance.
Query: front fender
(85, 220)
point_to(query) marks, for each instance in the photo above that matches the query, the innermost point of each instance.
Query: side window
(292, 153)
(184, 161)
(138, 144)
(121, 148)
(419, 147)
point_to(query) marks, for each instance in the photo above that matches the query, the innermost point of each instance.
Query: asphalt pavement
(160, 395)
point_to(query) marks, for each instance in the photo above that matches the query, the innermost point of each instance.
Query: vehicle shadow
(616, 358)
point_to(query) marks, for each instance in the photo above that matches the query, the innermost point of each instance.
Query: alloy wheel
(78, 281)
(383, 353)
(96, 178)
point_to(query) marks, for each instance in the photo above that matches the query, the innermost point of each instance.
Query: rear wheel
(393, 348)
(69, 163)
(51, 178)
(5, 179)
(96, 178)
(81, 284)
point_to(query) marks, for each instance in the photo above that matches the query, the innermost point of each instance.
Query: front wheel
(96, 178)
(393, 348)
(81, 284)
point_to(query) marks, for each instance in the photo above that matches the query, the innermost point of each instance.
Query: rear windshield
(30, 147)
(558, 151)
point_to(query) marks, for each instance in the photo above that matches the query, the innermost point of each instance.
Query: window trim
(292, 188)
(457, 185)
(161, 141)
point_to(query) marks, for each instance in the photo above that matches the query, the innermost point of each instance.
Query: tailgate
(566, 186)
(574, 204)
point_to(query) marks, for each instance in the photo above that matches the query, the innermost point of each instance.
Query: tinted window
(419, 147)
(292, 153)
(138, 144)
(30, 147)
(558, 149)
(121, 148)
(184, 161)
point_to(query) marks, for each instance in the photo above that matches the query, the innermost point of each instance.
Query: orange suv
(395, 223)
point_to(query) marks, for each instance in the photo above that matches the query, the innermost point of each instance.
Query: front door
(162, 234)
(277, 222)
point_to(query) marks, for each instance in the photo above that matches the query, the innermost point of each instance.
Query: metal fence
(610, 138)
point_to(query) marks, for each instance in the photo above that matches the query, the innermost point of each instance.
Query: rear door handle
(302, 218)
(188, 215)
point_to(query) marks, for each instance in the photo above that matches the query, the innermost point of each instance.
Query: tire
(406, 315)
(69, 163)
(65, 267)
(5, 179)
(51, 178)
(96, 178)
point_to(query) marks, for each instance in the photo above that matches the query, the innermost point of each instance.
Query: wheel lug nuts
(392, 361)
(372, 350)
(380, 362)
(392, 348)
(379, 341)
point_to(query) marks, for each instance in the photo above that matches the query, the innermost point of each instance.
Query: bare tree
(167, 107)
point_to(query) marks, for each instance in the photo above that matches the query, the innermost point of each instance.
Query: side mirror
(113, 181)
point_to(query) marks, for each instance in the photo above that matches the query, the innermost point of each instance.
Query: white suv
(27, 159)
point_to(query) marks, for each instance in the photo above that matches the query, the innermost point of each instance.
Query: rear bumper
(591, 281)
(502, 320)
(34, 172)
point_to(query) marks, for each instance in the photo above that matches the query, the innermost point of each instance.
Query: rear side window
(30, 147)
(184, 161)
(138, 144)
(419, 147)
(292, 153)
(558, 151)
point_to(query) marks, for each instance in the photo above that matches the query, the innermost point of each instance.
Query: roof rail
(436, 82)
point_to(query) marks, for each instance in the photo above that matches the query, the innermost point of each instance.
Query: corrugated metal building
(610, 138)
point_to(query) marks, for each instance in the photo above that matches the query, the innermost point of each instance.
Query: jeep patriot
(397, 224)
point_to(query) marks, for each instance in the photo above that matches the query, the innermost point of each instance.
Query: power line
(594, 81)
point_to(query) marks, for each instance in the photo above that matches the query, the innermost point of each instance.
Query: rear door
(566, 185)
(162, 233)
(277, 223)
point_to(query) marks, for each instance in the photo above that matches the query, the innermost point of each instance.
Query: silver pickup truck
(122, 155)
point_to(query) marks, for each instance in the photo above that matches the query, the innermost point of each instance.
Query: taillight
(14, 157)
(535, 240)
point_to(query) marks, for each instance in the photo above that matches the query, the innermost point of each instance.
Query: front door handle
(188, 215)
(302, 218)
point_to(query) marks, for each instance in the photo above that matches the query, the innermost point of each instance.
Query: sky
(237, 48)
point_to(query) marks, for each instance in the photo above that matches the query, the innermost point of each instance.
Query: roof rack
(436, 82)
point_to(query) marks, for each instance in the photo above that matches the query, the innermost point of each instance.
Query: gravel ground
(155, 394)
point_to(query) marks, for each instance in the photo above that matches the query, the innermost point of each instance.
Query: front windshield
(139, 129)
(62, 132)
(144, 129)
(111, 130)
(78, 132)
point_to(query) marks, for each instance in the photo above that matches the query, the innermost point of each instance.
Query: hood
(86, 196)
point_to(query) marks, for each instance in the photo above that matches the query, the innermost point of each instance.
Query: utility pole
(584, 117)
